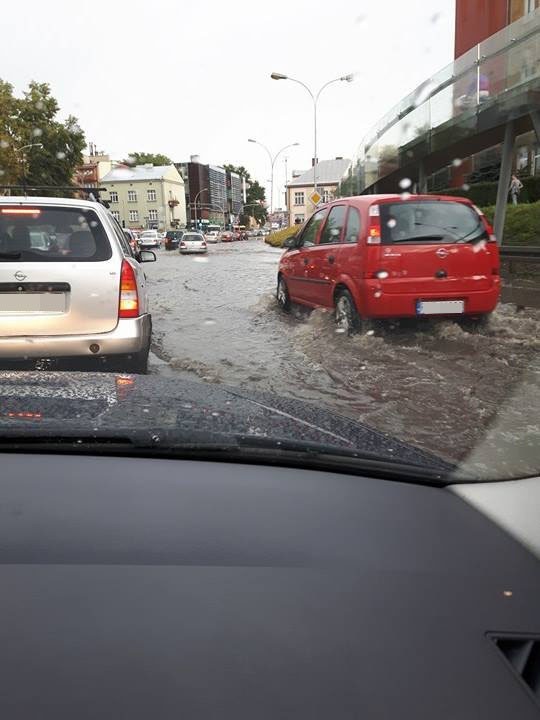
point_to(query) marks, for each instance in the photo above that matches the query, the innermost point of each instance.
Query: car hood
(40, 402)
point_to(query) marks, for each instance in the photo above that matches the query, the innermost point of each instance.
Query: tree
(144, 158)
(255, 196)
(30, 120)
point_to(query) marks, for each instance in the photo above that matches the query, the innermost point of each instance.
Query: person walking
(515, 188)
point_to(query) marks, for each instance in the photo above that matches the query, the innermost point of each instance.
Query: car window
(52, 234)
(430, 222)
(353, 226)
(333, 227)
(309, 234)
(119, 232)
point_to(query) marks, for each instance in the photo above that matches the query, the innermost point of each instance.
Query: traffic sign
(315, 197)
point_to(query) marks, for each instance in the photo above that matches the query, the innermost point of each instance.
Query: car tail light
(128, 305)
(374, 227)
(492, 238)
(182, 244)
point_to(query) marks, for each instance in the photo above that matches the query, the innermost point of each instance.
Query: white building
(329, 173)
(146, 196)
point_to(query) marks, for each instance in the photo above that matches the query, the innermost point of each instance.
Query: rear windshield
(430, 222)
(193, 237)
(52, 234)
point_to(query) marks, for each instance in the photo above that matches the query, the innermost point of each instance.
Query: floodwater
(446, 389)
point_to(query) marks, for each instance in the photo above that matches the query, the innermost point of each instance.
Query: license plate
(440, 307)
(32, 302)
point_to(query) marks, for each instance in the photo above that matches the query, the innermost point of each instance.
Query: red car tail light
(489, 229)
(374, 227)
(128, 304)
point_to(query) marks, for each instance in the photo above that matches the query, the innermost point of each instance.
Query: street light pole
(23, 160)
(273, 159)
(195, 203)
(315, 100)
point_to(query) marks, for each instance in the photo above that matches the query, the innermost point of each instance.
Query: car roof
(366, 200)
(34, 200)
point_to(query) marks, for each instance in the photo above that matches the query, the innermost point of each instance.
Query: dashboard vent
(523, 655)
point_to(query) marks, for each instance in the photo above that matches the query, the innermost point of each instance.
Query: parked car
(212, 236)
(80, 292)
(226, 236)
(172, 239)
(132, 239)
(378, 256)
(150, 239)
(193, 242)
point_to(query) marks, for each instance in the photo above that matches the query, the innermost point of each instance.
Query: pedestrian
(515, 189)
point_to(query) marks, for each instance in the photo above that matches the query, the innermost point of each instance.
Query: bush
(522, 225)
(276, 239)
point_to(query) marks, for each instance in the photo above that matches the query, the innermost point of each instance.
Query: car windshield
(349, 268)
(43, 234)
(445, 222)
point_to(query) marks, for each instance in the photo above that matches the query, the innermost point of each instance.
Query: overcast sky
(194, 78)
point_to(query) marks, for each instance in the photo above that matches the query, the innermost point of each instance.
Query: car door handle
(331, 259)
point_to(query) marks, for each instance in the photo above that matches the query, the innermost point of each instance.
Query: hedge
(522, 224)
(276, 239)
(484, 194)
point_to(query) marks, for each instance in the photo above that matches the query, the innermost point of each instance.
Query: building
(94, 167)
(279, 218)
(146, 196)
(299, 190)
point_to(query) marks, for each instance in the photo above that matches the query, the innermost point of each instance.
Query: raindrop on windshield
(60, 155)
(370, 332)
(479, 246)
(81, 219)
(377, 294)
(405, 195)
(382, 274)
(392, 223)
(37, 132)
(93, 223)
(155, 438)
(466, 187)
(340, 331)
(456, 162)
(435, 18)
(405, 183)
(209, 322)
(215, 414)
(4, 144)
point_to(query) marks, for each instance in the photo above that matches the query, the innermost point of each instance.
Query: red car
(382, 256)
(226, 236)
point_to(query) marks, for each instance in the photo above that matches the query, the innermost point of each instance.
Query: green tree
(144, 158)
(255, 196)
(31, 120)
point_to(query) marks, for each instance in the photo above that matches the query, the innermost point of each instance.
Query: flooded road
(430, 382)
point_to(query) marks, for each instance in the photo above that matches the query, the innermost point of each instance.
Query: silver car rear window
(41, 233)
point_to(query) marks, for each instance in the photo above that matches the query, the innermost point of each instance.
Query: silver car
(150, 239)
(192, 242)
(70, 285)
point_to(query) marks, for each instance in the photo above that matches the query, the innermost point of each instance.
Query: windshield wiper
(419, 238)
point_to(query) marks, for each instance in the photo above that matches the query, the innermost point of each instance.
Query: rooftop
(139, 172)
(328, 172)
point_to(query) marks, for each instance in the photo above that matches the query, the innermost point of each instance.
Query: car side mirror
(147, 256)
(291, 242)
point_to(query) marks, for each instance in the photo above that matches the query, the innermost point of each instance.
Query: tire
(346, 314)
(282, 294)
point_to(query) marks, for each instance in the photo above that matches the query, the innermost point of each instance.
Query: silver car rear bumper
(130, 336)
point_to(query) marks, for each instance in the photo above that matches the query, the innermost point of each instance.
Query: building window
(327, 195)
(152, 214)
(113, 196)
(519, 8)
(133, 216)
(132, 196)
(299, 198)
(116, 215)
(151, 194)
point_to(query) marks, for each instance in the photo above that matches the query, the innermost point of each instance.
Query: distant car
(212, 236)
(172, 239)
(149, 239)
(132, 239)
(192, 242)
(226, 236)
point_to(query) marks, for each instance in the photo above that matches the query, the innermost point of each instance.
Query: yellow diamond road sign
(315, 197)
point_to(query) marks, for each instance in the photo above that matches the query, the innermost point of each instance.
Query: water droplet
(340, 331)
(370, 332)
(4, 144)
(215, 414)
(507, 593)
(37, 132)
(146, 410)
(392, 223)
(382, 274)
(466, 187)
(406, 196)
(81, 219)
(93, 223)
(377, 294)
(79, 442)
(435, 18)
(40, 105)
(155, 438)
(60, 155)
(456, 162)
(479, 246)
(405, 183)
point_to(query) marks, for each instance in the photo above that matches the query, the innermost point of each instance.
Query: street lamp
(315, 97)
(195, 203)
(273, 159)
(23, 159)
